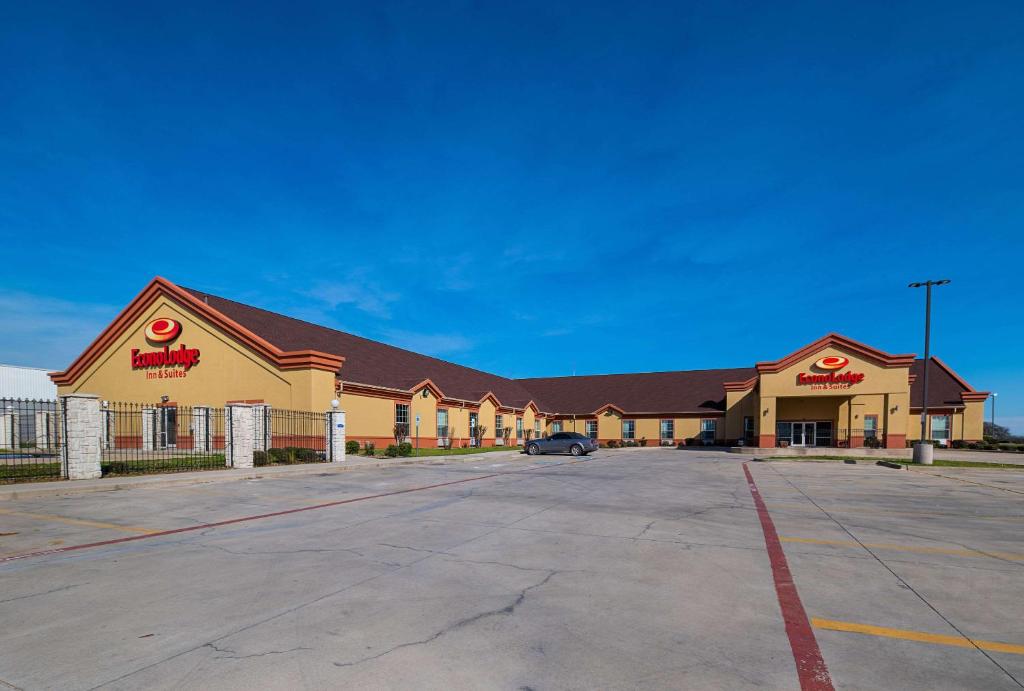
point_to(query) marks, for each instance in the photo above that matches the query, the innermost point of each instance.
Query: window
(870, 426)
(556, 426)
(748, 428)
(402, 419)
(474, 419)
(784, 432)
(707, 431)
(940, 429)
(442, 423)
(668, 429)
(629, 429)
(519, 428)
(592, 429)
(823, 433)
(536, 428)
(498, 433)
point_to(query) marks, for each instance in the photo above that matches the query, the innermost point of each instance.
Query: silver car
(562, 442)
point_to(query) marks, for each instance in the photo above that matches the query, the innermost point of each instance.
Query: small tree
(448, 439)
(478, 433)
(400, 432)
(506, 434)
(528, 434)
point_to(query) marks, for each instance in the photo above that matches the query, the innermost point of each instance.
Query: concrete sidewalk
(108, 484)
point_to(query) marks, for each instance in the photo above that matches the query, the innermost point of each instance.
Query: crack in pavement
(45, 592)
(508, 609)
(233, 655)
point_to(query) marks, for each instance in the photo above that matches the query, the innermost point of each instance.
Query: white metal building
(26, 382)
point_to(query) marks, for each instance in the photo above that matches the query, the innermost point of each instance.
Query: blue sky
(532, 189)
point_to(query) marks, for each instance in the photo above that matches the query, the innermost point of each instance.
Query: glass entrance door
(803, 434)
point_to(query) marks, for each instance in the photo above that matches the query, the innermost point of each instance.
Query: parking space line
(1007, 556)
(919, 636)
(888, 512)
(810, 665)
(77, 521)
(274, 514)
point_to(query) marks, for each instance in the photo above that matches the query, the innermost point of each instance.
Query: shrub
(872, 442)
(643, 441)
(613, 444)
(352, 447)
(260, 458)
(306, 455)
(405, 449)
(369, 448)
(280, 456)
(391, 451)
(681, 445)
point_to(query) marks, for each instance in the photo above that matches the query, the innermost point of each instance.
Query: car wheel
(576, 450)
(533, 449)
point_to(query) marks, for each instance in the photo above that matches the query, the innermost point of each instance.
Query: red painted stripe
(257, 517)
(810, 665)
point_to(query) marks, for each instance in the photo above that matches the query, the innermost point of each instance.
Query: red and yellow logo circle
(162, 330)
(832, 362)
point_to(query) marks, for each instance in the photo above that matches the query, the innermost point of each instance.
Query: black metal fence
(146, 438)
(287, 437)
(861, 438)
(31, 436)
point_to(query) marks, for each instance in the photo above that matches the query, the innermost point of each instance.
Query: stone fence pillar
(84, 433)
(239, 435)
(201, 429)
(335, 436)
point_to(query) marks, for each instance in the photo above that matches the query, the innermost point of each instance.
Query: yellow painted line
(885, 512)
(919, 636)
(77, 521)
(1009, 556)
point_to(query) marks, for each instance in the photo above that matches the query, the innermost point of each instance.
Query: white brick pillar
(240, 435)
(201, 429)
(84, 432)
(46, 435)
(148, 428)
(261, 419)
(335, 436)
(8, 430)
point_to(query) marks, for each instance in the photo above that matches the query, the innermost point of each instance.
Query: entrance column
(766, 425)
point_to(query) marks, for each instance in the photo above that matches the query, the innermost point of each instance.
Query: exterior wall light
(334, 403)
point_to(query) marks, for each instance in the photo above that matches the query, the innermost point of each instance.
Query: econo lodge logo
(832, 362)
(165, 330)
(834, 379)
(162, 330)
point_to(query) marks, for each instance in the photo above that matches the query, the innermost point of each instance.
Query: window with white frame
(629, 429)
(941, 429)
(536, 428)
(402, 419)
(592, 429)
(668, 429)
(442, 423)
(474, 420)
(707, 431)
(498, 431)
(556, 427)
(748, 427)
(519, 428)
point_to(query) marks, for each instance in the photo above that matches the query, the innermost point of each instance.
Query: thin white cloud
(364, 295)
(426, 343)
(40, 331)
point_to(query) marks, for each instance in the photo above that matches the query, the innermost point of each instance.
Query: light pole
(994, 412)
(920, 454)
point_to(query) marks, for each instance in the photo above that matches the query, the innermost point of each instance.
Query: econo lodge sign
(166, 363)
(832, 378)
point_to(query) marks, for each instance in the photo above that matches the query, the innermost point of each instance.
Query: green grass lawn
(30, 471)
(939, 463)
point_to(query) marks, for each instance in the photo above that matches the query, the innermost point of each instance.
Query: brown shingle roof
(692, 391)
(370, 362)
(943, 388)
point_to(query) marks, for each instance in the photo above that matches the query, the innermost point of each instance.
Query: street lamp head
(923, 284)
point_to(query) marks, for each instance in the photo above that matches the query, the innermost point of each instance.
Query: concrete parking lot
(629, 569)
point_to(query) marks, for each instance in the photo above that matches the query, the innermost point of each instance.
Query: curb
(67, 487)
(890, 464)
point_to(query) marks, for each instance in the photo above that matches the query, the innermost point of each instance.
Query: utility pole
(920, 455)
